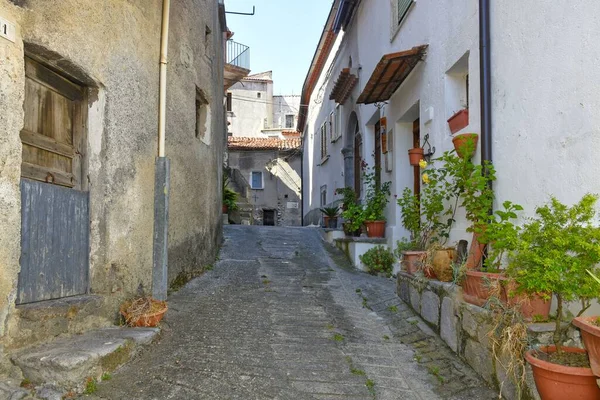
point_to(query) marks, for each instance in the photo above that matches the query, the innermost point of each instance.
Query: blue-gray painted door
(54, 242)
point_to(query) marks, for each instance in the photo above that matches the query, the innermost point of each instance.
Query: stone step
(68, 363)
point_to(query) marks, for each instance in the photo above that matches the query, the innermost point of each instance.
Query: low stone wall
(464, 328)
(354, 247)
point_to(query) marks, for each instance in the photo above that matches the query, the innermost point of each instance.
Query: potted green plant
(353, 219)
(378, 261)
(330, 216)
(428, 220)
(556, 249)
(376, 199)
(465, 144)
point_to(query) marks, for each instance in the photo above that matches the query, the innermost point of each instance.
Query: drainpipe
(161, 175)
(485, 80)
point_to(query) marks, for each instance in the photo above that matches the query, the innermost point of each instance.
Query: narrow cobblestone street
(283, 316)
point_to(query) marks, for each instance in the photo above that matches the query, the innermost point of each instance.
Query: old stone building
(79, 101)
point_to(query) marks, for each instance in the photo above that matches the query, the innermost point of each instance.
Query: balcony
(237, 63)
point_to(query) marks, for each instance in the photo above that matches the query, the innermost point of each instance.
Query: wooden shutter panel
(53, 127)
(403, 6)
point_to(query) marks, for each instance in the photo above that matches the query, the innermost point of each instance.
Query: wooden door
(416, 169)
(54, 208)
(357, 164)
(269, 217)
(378, 154)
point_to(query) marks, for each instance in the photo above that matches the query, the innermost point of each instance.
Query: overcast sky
(282, 36)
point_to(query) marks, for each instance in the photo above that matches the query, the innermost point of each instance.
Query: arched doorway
(352, 154)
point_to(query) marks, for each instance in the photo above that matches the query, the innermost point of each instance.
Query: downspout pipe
(160, 247)
(162, 100)
(485, 80)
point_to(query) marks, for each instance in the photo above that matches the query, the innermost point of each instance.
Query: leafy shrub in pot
(555, 250)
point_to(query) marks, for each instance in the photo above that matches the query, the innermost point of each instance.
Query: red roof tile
(252, 143)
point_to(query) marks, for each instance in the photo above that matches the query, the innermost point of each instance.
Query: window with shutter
(399, 10)
(257, 180)
(403, 6)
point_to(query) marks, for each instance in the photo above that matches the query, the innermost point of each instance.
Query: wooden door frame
(416, 130)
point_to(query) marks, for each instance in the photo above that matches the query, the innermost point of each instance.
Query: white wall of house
(251, 104)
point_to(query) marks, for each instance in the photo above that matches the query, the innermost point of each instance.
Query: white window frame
(323, 142)
(285, 121)
(262, 180)
(336, 132)
(394, 23)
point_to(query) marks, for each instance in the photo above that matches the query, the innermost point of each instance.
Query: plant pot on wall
(590, 333)
(465, 144)
(413, 261)
(349, 232)
(459, 121)
(559, 382)
(225, 209)
(442, 264)
(375, 229)
(331, 222)
(415, 155)
(476, 288)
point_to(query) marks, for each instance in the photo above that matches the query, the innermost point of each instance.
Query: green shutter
(403, 6)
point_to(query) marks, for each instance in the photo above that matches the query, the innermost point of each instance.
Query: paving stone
(307, 337)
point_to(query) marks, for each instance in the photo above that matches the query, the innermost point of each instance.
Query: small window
(256, 180)
(258, 95)
(323, 195)
(229, 101)
(400, 9)
(323, 141)
(289, 120)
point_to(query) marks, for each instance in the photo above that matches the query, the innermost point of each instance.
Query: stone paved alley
(283, 316)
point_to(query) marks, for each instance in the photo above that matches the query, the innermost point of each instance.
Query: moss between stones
(120, 356)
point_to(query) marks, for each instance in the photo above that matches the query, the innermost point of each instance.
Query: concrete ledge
(332, 234)
(464, 328)
(68, 362)
(354, 247)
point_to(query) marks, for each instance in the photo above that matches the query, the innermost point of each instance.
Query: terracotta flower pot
(475, 287)
(590, 333)
(442, 264)
(375, 229)
(332, 223)
(413, 261)
(531, 306)
(558, 382)
(415, 155)
(225, 209)
(465, 144)
(459, 121)
(145, 320)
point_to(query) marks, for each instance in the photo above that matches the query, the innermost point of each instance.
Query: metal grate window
(402, 8)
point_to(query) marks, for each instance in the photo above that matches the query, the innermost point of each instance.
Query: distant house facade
(79, 110)
(388, 75)
(264, 152)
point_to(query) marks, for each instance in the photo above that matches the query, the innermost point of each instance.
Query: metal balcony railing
(238, 54)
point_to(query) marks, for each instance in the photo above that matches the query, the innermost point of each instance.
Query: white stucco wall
(248, 110)
(545, 81)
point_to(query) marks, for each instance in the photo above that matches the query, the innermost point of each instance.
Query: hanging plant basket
(465, 144)
(459, 121)
(415, 155)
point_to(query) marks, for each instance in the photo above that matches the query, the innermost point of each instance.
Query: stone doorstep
(68, 362)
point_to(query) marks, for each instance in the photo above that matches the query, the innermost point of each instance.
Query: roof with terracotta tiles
(253, 143)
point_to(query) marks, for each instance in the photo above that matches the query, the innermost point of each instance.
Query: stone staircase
(244, 215)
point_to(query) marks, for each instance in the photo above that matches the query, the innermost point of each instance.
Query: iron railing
(238, 54)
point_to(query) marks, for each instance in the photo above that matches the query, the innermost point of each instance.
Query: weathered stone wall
(465, 327)
(113, 47)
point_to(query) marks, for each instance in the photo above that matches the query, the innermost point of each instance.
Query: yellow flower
(425, 178)
(423, 164)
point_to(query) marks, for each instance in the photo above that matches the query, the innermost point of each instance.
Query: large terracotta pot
(475, 287)
(415, 155)
(442, 264)
(558, 382)
(476, 251)
(531, 306)
(413, 261)
(459, 120)
(461, 142)
(590, 333)
(375, 229)
(225, 209)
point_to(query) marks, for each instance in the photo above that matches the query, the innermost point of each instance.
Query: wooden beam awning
(389, 74)
(343, 86)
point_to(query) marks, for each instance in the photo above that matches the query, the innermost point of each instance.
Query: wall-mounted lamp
(428, 151)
